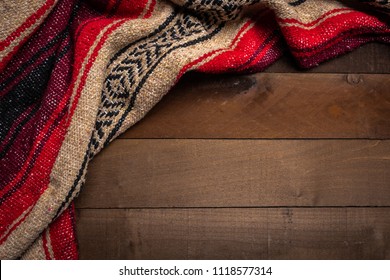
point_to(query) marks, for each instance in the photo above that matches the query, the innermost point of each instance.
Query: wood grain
(286, 233)
(239, 173)
(237, 198)
(271, 105)
(369, 58)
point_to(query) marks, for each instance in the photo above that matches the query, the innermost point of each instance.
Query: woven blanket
(76, 74)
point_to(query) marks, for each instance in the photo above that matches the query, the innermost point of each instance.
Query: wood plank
(369, 58)
(272, 106)
(252, 233)
(227, 173)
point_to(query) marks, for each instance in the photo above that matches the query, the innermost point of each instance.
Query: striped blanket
(75, 74)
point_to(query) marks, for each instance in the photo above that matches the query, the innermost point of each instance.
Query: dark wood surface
(239, 173)
(272, 105)
(285, 164)
(235, 233)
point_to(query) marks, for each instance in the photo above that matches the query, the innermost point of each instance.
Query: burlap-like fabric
(76, 74)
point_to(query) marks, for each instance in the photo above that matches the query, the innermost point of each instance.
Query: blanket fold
(76, 74)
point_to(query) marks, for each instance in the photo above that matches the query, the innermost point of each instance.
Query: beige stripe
(75, 144)
(261, 13)
(118, 39)
(85, 62)
(35, 251)
(242, 35)
(142, 15)
(48, 243)
(164, 75)
(187, 58)
(217, 53)
(298, 24)
(305, 13)
(72, 151)
(15, 222)
(14, 14)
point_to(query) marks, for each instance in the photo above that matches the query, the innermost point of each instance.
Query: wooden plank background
(272, 105)
(240, 173)
(285, 164)
(235, 233)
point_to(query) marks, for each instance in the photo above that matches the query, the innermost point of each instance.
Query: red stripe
(15, 226)
(42, 35)
(64, 101)
(196, 61)
(346, 45)
(301, 38)
(249, 43)
(85, 38)
(39, 138)
(260, 56)
(14, 127)
(84, 24)
(63, 236)
(293, 20)
(151, 8)
(249, 22)
(61, 105)
(44, 242)
(54, 49)
(273, 54)
(82, 83)
(7, 58)
(90, 62)
(37, 180)
(110, 5)
(30, 21)
(340, 37)
(46, 161)
(131, 8)
(55, 114)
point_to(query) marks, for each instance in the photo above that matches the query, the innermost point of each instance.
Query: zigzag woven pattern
(75, 74)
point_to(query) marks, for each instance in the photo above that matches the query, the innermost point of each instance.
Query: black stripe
(36, 56)
(155, 32)
(76, 182)
(262, 46)
(86, 157)
(24, 95)
(297, 3)
(50, 44)
(41, 145)
(132, 101)
(29, 116)
(134, 96)
(114, 8)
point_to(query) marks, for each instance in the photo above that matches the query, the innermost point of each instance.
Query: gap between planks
(240, 173)
(227, 207)
(288, 233)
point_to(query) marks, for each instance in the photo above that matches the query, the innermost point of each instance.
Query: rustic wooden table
(283, 164)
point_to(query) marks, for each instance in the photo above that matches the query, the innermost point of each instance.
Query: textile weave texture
(76, 74)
